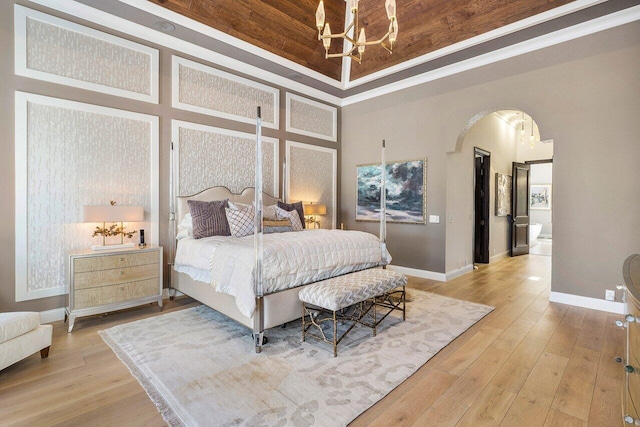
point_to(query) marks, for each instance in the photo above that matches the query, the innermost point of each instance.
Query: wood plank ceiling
(287, 27)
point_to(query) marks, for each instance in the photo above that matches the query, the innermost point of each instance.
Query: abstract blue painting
(406, 184)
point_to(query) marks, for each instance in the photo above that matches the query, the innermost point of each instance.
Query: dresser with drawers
(104, 281)
(631, 388)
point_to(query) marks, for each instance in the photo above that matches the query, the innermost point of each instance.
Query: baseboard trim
(459, 272)
(423, 274)
(587, 302)
(50, 316)
(499, 256)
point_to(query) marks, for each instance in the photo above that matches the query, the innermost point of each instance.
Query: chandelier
(324, 32)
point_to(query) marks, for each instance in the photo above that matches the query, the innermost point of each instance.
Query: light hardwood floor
(529, 362)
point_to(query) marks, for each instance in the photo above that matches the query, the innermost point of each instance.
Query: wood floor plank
(464, 356)
(489, 408)
(556, 418)
(605, 407)
(533, 402)
(578, 381)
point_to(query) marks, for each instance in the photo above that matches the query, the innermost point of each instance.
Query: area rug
(200, 368)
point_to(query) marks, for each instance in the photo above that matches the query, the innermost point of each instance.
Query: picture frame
(503, 194)
(540, 196)
(406, 185)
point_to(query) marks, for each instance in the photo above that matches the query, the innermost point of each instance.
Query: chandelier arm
(379, 41)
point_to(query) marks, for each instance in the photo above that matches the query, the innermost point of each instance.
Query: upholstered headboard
(220, 193)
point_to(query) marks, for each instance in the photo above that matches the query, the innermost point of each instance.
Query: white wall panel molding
(312, 177)
(206, 90)
(58, 51)
(69, 155)
(206, 156)
(311, 118)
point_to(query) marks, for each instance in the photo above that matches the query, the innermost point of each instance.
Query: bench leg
(375, 321)
(404, 304)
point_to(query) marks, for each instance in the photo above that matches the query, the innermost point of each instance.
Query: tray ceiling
(280, 36)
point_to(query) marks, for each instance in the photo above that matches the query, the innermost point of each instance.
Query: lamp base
(110, 247)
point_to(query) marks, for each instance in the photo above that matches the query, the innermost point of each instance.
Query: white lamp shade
(113, 214)
(317, 209)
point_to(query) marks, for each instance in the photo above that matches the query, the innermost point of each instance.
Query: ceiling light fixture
(324, 32)
(532, 139)
(164, 26)
(522, 130)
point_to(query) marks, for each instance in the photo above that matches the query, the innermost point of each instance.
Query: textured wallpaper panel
(63, 52)
(311, 179)
(224, 95)
(77, 158)
(208, 159)
(311, 118)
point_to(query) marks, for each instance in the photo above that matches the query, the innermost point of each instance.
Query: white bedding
(290, 260)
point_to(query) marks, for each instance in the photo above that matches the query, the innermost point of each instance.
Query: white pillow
(185, 228)
(292, 216)
(237, 206)
(240, 221)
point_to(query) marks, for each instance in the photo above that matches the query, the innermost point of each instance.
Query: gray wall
(12, 83)
(584, 94)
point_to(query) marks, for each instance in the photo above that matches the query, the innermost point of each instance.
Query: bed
(291, 260)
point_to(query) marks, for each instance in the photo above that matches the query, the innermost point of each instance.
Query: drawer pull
(122, 289)
(630, 318)
(629, 369)
(621, 324)
(121, 259)
(618, 359)
(630, 420)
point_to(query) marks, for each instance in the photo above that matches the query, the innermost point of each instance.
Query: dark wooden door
(481, 227)
(520, 209)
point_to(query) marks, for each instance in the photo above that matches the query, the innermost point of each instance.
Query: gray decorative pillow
(241, 221)
(294, 207)
(209, 218)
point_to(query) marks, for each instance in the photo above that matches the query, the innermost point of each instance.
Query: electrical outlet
(610, 295)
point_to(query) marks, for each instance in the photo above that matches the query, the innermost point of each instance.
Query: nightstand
(103, 281)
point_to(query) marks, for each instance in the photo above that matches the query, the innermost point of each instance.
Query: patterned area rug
(200, 368)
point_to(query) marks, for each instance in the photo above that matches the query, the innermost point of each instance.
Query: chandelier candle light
(324, 32)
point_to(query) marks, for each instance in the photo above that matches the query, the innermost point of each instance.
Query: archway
(505, 133)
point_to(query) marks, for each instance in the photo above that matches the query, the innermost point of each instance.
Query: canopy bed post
(258, 319)
(383, 205)
(172, 217)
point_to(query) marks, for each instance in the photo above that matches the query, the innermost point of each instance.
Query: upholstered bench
(21, 335)
(351, 297)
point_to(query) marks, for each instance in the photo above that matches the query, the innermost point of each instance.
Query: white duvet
(289, 260)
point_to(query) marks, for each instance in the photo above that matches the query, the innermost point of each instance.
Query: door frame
(481, 203)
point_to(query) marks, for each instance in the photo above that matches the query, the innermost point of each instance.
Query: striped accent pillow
(209, 218)
(292, 216)
(297, 206)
